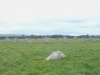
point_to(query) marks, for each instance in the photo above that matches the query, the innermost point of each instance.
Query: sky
(49, 17)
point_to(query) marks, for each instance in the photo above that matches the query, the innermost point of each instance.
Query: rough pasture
(22, 58)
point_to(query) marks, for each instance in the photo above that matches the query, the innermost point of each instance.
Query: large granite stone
(56, 55)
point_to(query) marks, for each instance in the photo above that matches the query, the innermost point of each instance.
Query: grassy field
(82, 58)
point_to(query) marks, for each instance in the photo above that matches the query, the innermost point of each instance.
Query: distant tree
(87, 36)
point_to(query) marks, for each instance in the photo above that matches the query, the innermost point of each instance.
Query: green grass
(82, 58)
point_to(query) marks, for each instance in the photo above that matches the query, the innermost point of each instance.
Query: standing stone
(7, 39)
(46, 39)
(64, 39)
(35, 38)
(56, 55)
(83, 39)
(15, 40)
(75, 38)
(90, 38)
(57, 38)
(28, 40)
(93, 39)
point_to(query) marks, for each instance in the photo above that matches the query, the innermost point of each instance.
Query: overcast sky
(42, 17)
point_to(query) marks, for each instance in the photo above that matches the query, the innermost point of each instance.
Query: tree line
(51, 36)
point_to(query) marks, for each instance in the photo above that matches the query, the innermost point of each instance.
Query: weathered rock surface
(46, 39)
(56, 55)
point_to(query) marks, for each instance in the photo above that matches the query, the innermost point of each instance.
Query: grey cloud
(24, 23)
(98, 26)
(51, 21)
(70, 20)
(76, 21)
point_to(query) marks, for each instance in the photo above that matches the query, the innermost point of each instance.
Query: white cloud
(32, 11)
(4, 30)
